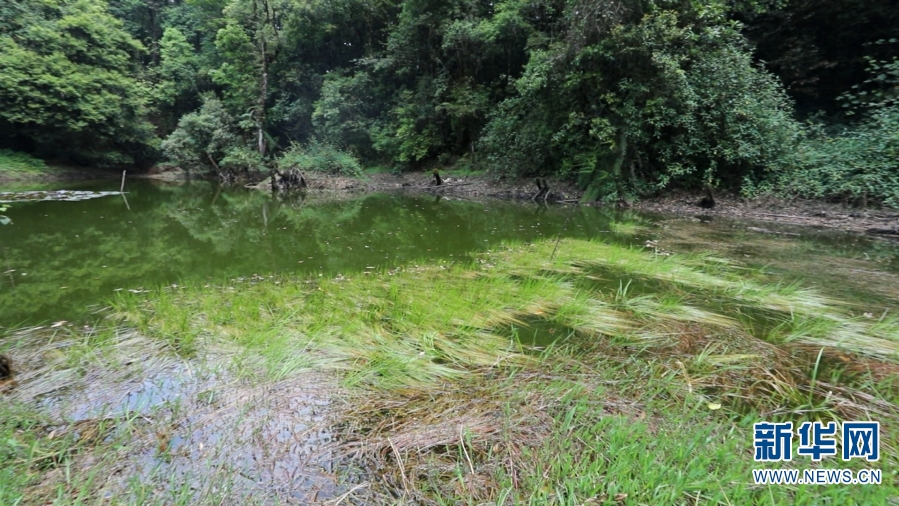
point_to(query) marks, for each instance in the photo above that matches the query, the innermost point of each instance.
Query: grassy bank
(15, 165)
(571, 372)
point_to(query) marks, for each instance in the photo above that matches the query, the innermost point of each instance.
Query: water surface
(64, 260)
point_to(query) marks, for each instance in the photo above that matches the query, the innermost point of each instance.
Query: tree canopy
(70, 78)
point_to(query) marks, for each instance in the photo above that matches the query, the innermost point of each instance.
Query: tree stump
(5, 368)
(290, 179)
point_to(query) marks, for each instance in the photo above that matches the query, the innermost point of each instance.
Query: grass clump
(320, 157)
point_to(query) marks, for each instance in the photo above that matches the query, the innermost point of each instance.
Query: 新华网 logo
(773, 441)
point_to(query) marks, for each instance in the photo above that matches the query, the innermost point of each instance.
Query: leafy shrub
(317, 156)
(668, 99)
(242, 159)
(202, 136)
(858, 163)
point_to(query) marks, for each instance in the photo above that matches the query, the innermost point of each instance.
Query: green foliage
(342, 116)
(178, 68)
(627, 97)
(817, 47)
(242, 159)
(318, 156)
(860, 162)
(203, 137)
(668, 99)
(14, 165)
(237, 74)
(68, 80)
(878, 92)
(411, 132)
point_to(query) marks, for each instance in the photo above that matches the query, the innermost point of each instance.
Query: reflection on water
(62, 260)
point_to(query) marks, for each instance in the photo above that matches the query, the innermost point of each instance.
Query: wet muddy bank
(778, 211)
(129, 420)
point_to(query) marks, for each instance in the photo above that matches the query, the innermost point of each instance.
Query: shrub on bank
(858, 163)
(317, 156)
(15, 164)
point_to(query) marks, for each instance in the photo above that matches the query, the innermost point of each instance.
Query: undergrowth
(320, 157)
(16, 165)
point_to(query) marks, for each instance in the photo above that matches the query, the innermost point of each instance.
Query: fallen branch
(217, 169)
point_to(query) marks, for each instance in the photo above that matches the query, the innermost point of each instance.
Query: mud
(459, 186)
(816, 214)
(193, 428)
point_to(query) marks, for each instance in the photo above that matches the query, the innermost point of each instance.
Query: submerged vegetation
(648, 372)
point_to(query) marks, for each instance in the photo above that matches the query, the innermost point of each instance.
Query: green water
(64, 260)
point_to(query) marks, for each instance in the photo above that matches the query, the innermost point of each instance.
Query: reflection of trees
(191, 232)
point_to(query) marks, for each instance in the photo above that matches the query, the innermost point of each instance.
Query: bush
(317, 156)
(662, 101)
(857, 162)
(203, 136)
(14, 164)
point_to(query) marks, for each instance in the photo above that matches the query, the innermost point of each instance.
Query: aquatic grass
(446, 395)
(420, 324)
(619, 432)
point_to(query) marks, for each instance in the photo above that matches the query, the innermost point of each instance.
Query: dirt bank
(455, 185)
(817, 214)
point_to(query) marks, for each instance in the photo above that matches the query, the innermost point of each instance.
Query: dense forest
(628, 97)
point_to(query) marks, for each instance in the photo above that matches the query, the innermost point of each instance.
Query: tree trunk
(616, 168)
(260, 112)
(263, 87)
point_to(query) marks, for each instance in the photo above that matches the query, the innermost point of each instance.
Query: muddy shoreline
(882, 222)
(779, 211)
(775, 210)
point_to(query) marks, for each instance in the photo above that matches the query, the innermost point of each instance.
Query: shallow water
(199, 425)
(62, 260)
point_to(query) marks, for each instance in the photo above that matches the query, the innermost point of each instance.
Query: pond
(223, 374)
(63, 260)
